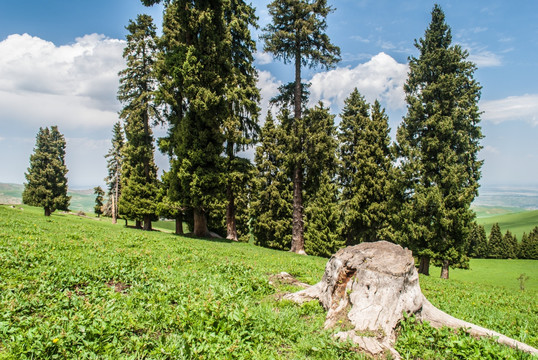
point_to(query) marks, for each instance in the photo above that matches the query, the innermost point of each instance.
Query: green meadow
(81, 288)
(517, 222)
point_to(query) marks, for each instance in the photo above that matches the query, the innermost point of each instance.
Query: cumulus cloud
(263, 58)
(512, 108)
(268, 86)
(380, 78)
(72, 85)
(485, 58)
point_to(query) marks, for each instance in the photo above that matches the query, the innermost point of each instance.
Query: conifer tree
(137, 82)
(272, 189)
(99, 194)
(438, 144)
(496, 247)
(510, 248)
(364, 172)
(528, 249)
(297, 35)
(477, 241)
(46, 181)
(242, 96)
(321, 215)
(114, 165)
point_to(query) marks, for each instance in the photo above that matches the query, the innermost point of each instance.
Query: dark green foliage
(139, 172)
(297, 35)
(272, 190)
(438, 144)
(114, 166)
(496, 244)
(322, 216)
(99, 194)
(510, 246)
(477, 241)
(46, 181)
(364, 172)
(528, 249)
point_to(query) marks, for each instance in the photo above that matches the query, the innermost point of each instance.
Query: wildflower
(55, 340)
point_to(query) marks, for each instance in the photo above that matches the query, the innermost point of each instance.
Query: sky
(59, 62)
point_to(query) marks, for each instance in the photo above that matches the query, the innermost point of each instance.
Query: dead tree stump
(368, 287)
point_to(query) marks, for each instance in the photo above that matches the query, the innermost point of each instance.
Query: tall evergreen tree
(528, 249)
(510, 248)
(438, 143)
(496, 247)
(364, 172)
(477, 241)
(320, 191)
(136, 92)
(297, 35)
(99, 196)
(242, 96)
(114, 166)
(46, 181)
(272, 189)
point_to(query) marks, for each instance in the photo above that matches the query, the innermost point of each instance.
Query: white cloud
(268, 86)
(490, 149)
(512, 108)
(380, 78)
(263, 58)
(360, 39)
(72, 86)
(484, 58)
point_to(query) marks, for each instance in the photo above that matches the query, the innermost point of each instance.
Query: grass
(517, 223)
(72, 287)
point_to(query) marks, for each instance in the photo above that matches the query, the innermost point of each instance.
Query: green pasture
(516, 222)
(76, 287)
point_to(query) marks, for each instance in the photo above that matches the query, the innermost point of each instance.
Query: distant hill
(81, 200)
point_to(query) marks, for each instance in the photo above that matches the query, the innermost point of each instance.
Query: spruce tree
(99, 196)
(272, 189)
(114, 165)
(510, 248)
(438, 144)
(297, 35)
(528, 249)
(136, 92)
(364, 172)
(321, 215)
(496, 246)
(477, 241)
(46, 181)
(242, 96)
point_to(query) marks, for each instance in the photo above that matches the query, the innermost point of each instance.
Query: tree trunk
(297, 236)
(179, 224)
(138, 224)
(147, 222)
(115, 202)
(47, 211)
(444, 269)
(126, 222)
(200, 223)
(231, 229)
(368, 287)
(424, 266)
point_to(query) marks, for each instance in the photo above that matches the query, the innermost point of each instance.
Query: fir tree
(272, 189)
(242, 96)
(114, 165)
(46, 181)
(496, 246)
(364, 174)
(99, 196)
(297, 35)
(139, 172)
(528, 249)
(438, 144)
(477, 241)
(510, 248)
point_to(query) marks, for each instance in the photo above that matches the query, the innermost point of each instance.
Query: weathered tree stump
(368, 287)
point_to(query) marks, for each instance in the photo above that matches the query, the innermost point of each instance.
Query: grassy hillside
(81, 200)
(517, 223)
(73, 287)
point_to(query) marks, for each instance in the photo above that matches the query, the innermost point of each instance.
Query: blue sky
(59, 62)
